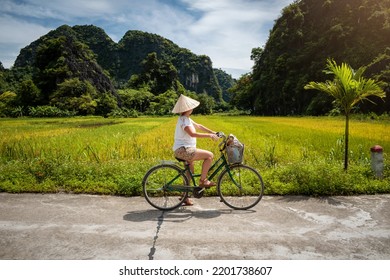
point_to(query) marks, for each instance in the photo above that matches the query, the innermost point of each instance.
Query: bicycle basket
(234, 150)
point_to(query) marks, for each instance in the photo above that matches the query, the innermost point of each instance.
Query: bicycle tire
(247, 194)
(154, 182)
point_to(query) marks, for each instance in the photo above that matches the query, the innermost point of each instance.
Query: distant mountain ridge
(123, 59)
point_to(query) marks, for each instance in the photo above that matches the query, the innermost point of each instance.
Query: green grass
(110, 156)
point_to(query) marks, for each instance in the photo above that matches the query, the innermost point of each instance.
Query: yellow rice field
(80, 150)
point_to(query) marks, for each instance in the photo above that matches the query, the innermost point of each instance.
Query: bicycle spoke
(158, 187)
(241, 187)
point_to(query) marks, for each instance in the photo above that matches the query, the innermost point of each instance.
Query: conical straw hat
(184, 104)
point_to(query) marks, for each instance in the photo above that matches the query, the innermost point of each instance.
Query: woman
(185, 139)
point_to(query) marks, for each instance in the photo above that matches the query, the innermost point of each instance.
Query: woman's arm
(203, 128)
(192, 132)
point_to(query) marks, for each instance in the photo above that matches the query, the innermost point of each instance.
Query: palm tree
(348, 88)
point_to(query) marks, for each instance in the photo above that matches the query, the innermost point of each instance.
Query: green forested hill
(194, 72)
(307, 33)
(226, 82)
(124, 59)
(80, 70)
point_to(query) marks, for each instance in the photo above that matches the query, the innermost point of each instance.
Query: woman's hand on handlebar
(221, 145)
(214, 136)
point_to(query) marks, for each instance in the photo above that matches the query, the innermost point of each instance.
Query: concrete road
(69, 227)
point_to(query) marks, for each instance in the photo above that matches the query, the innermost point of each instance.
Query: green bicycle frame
(217, 165)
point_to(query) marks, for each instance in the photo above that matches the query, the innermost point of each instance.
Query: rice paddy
(110, 156)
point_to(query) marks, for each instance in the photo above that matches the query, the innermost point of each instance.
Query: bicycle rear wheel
(156, 189)
(241, 187)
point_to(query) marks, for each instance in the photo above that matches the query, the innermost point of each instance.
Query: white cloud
(62, 9)
(19, 31)
(225, 30)
(27, 9)
(15, 35)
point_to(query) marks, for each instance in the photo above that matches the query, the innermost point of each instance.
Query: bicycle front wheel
(158, 186)
(240, 187)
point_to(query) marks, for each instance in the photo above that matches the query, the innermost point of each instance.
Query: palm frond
(348, 87)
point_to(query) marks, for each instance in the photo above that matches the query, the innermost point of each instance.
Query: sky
(224, 30)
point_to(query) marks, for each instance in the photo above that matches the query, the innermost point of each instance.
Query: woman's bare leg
(207, 158)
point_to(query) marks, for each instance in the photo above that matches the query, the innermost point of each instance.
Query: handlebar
(221, 145)
(220, 134)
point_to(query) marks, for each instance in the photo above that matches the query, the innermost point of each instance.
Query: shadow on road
(176, 216)
(180, 215)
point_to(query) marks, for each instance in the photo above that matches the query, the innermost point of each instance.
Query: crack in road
(159, 224)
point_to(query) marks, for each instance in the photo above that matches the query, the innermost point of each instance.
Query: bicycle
(167, 185)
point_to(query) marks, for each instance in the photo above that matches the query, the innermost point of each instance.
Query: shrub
(323, 179)
(48, 111)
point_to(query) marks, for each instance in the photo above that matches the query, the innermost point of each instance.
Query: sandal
(206, 183)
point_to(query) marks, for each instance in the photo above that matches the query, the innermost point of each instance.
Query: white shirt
(182, 138)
